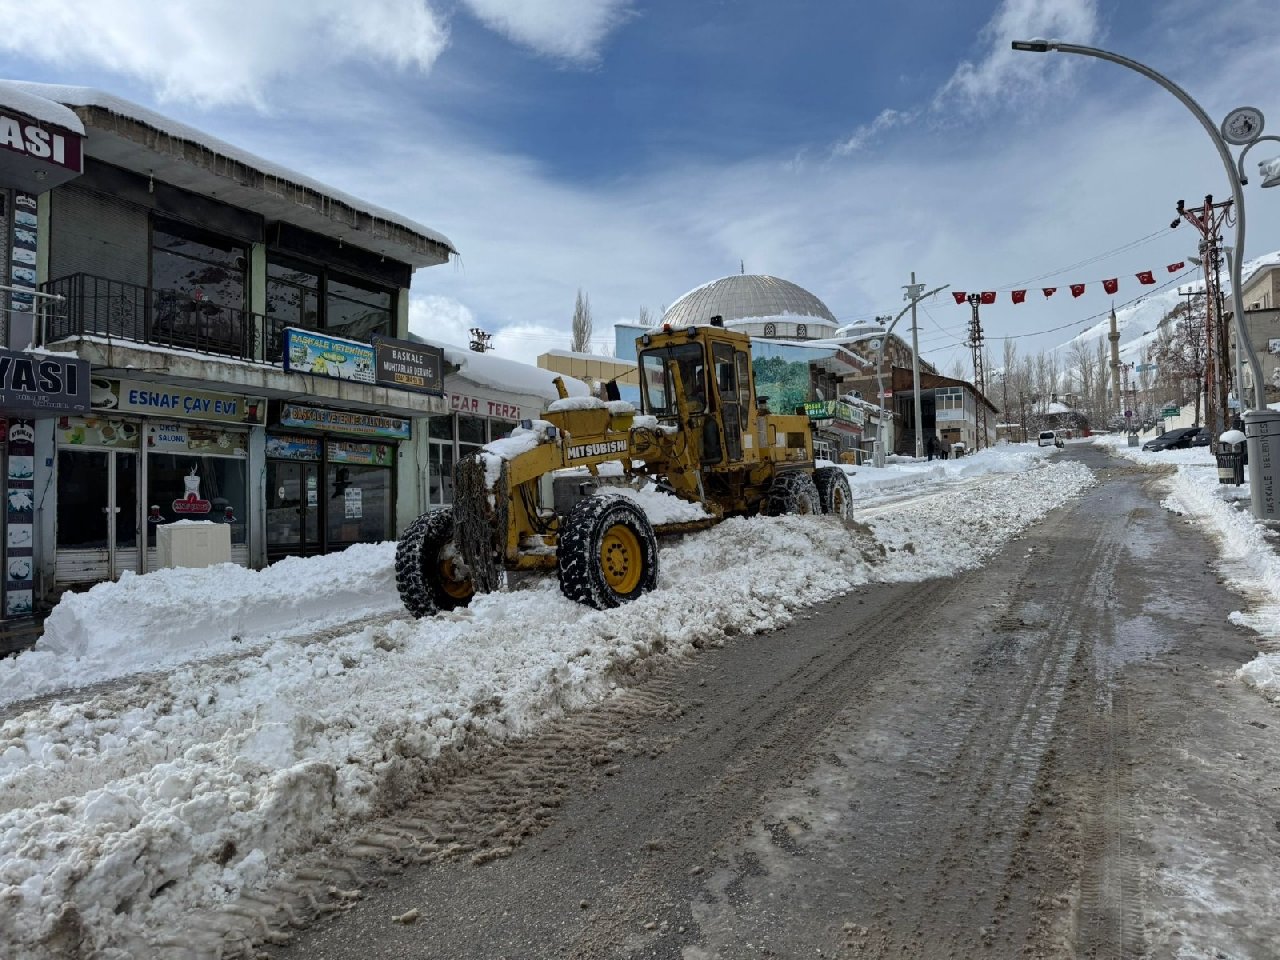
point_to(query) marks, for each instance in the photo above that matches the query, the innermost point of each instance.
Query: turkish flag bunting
(1112, 285)
(1146, 277)
(959, 295)
(988, 296)
(1077, 289)
(1049, 291)
(1019, 296)
(1175, 267)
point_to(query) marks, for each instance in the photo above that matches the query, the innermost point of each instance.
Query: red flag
(1019, 296)
(1175, 267)
(1146, 277)
(988, 296)
(959, 295)
(1112, 285)
(1049, 291)
(1077, 289)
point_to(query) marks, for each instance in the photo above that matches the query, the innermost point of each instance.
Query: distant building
(1261, 296)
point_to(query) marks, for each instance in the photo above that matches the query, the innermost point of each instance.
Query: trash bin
(1262, 433)
(1133, 439)
(1231, 466)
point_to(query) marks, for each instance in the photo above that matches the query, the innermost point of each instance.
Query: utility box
(193, 543)
(1262, 441)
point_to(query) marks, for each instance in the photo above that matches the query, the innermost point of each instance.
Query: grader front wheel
(792, 493)
(834, 493)
(607, 552)
(430, 574)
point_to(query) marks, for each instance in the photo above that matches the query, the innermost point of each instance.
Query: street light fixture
(1242, 127)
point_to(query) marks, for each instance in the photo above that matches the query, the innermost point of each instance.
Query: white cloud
(442, 319)
(567, 29)
(1002, 73)
(189, 50)
(886, 119)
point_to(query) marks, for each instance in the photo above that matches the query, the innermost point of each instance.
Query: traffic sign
(1170, 412)
(1128, 413)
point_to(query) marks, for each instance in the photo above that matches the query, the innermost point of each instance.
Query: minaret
(1114, 337)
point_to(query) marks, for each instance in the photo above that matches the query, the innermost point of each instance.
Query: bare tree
(581, 342)
(645, 319)
(1181, 353)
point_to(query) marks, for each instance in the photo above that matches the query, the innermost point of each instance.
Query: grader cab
(565, 492)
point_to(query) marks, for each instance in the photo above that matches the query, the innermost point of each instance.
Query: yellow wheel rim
(452, 581)
(837, 502)
(621, 558)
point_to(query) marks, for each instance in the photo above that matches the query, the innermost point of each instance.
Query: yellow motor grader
(540, 500)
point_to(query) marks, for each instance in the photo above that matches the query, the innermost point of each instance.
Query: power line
(1089, 260)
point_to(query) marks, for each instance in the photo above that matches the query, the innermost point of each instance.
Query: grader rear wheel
(834, 494)
(792, 493)
(607, 553)
(430, 574)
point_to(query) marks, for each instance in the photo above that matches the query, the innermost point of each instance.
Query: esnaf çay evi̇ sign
(43, 383)
(166, 400)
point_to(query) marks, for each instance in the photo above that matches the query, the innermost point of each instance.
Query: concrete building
(243, 332)
(1261, 295)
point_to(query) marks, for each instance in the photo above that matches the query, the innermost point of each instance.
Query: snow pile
(868, 481)
(659, 506)
(1189, 456)
(128, 818)
(576, 403)
(148, 621)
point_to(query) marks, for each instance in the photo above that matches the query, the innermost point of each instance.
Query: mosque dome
(757, 305)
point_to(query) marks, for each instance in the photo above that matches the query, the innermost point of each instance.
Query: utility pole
(1209, 220)
(979, 376)
(480, 340)
(913, 294)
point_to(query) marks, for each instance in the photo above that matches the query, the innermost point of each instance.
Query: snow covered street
(125, 813)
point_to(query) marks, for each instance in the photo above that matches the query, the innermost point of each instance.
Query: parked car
(1176, 439)
(1047, 438)
(1203, 438)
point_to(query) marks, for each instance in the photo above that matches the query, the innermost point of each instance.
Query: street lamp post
(1242, 127)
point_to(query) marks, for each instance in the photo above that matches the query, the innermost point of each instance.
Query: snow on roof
(509, 376)
(38, 107)
(73, 96)
(598, 357)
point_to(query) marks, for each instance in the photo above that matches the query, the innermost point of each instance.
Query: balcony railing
(97, 306)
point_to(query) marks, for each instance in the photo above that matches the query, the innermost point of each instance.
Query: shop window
(440, 428)
(198, 265)
(500, 428)
(185, 486)
(293, 295)
(359, 504)
(471, 430)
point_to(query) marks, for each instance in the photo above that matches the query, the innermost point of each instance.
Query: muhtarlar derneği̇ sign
(409, 365)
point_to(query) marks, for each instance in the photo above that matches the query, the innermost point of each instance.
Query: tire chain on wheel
(578, 552)
(419, 546)
(788, 491)
(829, 480)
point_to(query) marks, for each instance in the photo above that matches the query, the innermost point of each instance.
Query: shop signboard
(43, 383)
(362, 454)
(834, 410)
(35, 154)
(306, 351)
(192, 438)
(293, 448)
(19, 543)
(166, 400)
(344, 421)
(483, 407)
(408, 365)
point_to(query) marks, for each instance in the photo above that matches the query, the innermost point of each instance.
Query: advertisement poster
(293, 448)
(306, 351)
(353, 499)
(22, 253)
(364, 454)
(19, 548)
(784, 382)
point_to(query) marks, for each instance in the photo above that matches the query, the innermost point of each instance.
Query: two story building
(243, 331)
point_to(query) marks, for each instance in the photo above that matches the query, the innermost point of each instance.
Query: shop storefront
(148, 454)
(478, 417)
(331, 479)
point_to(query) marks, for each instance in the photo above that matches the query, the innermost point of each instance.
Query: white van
(1047, 438)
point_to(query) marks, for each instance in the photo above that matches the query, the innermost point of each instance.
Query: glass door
(293, 508)
(97, 524)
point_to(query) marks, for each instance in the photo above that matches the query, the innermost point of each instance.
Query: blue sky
(638, 149)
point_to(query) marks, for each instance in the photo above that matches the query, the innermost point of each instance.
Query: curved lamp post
(1243, 128)
(1240, 128)
(883, 341)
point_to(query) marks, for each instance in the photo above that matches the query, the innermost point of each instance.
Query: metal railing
(99, 306)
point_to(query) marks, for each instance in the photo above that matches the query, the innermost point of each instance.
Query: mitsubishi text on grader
(536, 500)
